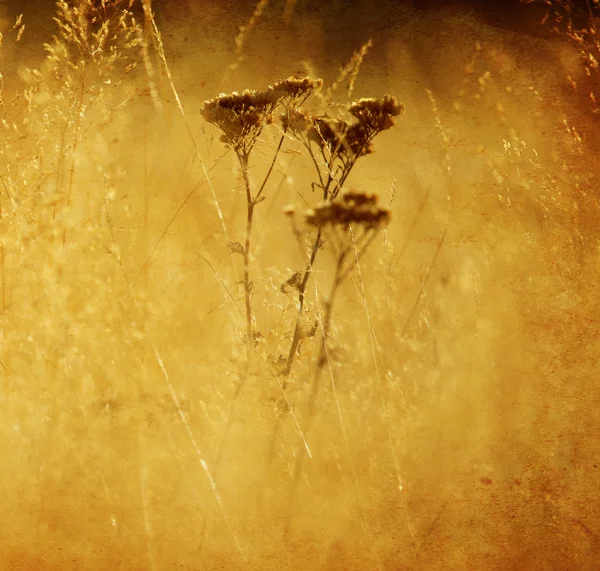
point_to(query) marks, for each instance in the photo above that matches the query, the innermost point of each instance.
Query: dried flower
(335, 136)
(352, 208)
(360, 199)
(294, 90)
(241, 116)
(298, 123)
(331, 132)
(358, 140)
(342, 139)
(376, 114)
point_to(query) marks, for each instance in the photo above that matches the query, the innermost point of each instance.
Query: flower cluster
(241, 116)
(352, 208)
(346, 140)
(293, 91)
(301, 125)
(376, 114)
(343, 139)
(335, 136)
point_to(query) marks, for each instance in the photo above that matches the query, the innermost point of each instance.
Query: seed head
(241, 116)
(352, 208)
(376, 114)
(331, 132)
(343, 139)
(358, 140)
(297, 122)
(360, 199)
(294, 90)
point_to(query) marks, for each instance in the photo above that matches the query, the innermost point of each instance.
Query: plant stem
(251, 203)
(262, 186)
(322, 359)
(326, 323)
(328, 195)
(302, 289)
(301, 296)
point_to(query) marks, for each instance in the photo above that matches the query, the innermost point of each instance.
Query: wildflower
(341, 139)
(376, 114)
(335, 136)
(241, 116)
(360, 198)
(353, 208)
(299, 123)
(331, 133)
(358, 140)
(295, 90)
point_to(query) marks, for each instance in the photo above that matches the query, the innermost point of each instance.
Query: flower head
(331, 132)
(346, 140)
(376, 114)
(352, 208)
(241, 116)
(294, 90)
(298, 123)
(335, 136)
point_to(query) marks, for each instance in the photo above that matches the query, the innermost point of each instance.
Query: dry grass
(217, 354)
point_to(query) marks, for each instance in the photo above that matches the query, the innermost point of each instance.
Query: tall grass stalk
(157, 39)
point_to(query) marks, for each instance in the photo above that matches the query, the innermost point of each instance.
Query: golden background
(463, 431)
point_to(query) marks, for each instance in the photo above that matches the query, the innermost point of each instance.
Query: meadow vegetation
(328, 318)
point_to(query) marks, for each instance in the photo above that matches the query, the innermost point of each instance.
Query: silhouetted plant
(334, 146)
(352, 221)
(242, 118)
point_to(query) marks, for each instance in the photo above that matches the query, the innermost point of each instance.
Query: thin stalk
(251, 203)
(149, 16)
(424, 284)
(322, 360)
(146, 234)
(383, 388)
(296, 339)
(326, 324)
(61, 155)
(243, 158)
(301, 296)
(264, 183)
(75, 141)
(297, 336)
